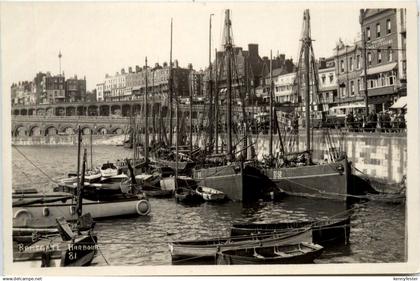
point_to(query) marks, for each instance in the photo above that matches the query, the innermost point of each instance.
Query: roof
(380, 69)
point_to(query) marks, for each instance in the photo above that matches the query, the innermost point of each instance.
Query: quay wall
(381, 156)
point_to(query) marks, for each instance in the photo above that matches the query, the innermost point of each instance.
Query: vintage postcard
(210, 138)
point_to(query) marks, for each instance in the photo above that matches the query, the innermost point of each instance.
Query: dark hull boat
(323, 232)
(238, 181)
(280, 254)
(205, 250)
(327, 181)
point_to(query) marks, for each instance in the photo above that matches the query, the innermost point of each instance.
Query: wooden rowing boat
(206, 249)
(278, 254)
(323, 231)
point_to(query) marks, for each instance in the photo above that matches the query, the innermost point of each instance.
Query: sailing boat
(329, 180)
(238, 180)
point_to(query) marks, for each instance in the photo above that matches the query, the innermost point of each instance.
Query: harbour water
(377, 229)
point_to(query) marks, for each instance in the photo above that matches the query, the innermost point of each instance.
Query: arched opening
(68, 131)
(49, 111)
(40, 111)
(102, 131)
(20, 131)
(70, 111)
(126, 110)
(116, 110)
(60, 111)
(35, 131)
(24, 112)
(104, 110)
(93, 110)
(118, 131)
(16, 112)
(86, 131)
(51, 131)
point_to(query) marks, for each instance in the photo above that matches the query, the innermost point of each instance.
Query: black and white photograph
(199, 137)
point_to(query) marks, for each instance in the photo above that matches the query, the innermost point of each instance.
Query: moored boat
(109, 169)
(279, 254)
(206, 249)
(323, 231)
(187, 195)
(210, 194)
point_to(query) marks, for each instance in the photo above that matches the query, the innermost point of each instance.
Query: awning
(136, 88)
(400, 103)
(380, 69)
(349, 106)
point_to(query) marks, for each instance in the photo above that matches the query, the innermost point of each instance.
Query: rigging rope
(33, 164)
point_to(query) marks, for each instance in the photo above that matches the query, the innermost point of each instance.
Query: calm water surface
(377, 229)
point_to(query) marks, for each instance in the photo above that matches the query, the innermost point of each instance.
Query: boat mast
(270, 148)
(146, 125)
(191, 110)
(306, 44)
(176, 142)
(170, 91)
(210, 115)
(228, 51)
(216, 107)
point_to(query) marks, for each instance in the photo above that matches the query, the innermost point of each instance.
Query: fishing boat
(239, 180)
(333, 230)
(206, 249)
(210, 194)
(68, 248)
(279, 254)
(306, 178)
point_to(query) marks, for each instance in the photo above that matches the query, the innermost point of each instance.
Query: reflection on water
(144, 240)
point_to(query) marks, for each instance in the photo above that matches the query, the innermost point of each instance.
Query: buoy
(143, 207)
(45, 212)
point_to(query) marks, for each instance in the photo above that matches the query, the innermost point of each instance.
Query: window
(391, 80)
(342, 65)
(359, 85)
(331, 78)
(389, 53)
(351, 64)
(352, 87)
(358, 61)
(378, 30)
(368, 33)
(388, 26)
(369, 58)
(379, 56)
(323, 79)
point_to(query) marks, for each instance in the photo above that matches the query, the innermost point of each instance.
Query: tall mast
(146, 125)
(270, 148)
(176, 142)
(216, 107)
(170, 92)
(228, 51)
(210, 115)
(191, 110)
(306, 45)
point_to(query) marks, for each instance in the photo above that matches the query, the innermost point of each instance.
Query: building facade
(385, 34)
(75, 89)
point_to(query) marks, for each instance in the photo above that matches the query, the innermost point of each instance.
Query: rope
(99, 249)
(33, 164)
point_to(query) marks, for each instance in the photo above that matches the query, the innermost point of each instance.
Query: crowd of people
(383, 121)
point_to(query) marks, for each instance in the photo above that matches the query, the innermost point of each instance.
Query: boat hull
(327, 181)
(307, 253)
(207, 249)
(238, 184)
(323, 232)
(44, 215)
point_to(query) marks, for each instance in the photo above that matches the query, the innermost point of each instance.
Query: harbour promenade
(381, 156)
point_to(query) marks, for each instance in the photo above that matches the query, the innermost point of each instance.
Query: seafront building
(341, 76)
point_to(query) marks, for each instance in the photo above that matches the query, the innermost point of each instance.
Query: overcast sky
(100, 38)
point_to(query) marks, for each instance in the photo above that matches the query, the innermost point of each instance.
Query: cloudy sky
(99, 38)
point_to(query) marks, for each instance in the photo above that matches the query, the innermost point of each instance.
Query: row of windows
(378, 30)
(379, 59)
(379, 82)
